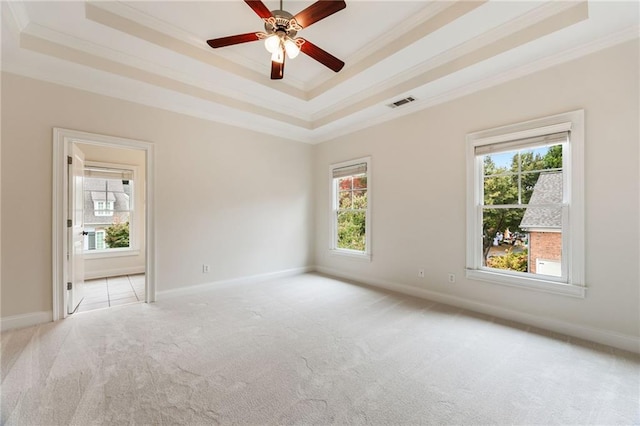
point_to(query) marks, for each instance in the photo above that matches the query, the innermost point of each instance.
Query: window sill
(103, 254)
(528, 283)
(358, 255)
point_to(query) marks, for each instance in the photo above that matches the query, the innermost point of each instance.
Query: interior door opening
(103, 251)
(113, 228)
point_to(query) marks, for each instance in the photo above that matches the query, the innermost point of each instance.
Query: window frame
(571, 284)
(333, 182)
(133, 249)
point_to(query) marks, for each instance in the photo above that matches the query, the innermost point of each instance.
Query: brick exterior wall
(544, 245)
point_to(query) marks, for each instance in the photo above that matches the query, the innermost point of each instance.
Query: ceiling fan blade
(318, 10)
(322, 56)
(231, 40)
(259, 8)
(277, 70)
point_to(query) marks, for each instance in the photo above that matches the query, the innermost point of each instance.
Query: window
(525, 214)
(108, 207)
(99, 235)
(103, 208)
(351, 206)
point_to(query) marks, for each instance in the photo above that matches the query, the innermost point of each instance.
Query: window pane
(100, 245)
(543, 158)
(528, 182)
(345, 183)
(502, 236)
(524, 240)
(344, 200)
(542, 187)
(501, 190)
(497, 163)
(360, 182)
(360, 199)
(351, 230)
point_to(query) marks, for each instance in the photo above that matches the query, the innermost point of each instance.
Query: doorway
(113, 215)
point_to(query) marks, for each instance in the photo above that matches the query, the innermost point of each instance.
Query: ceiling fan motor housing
(282, 19)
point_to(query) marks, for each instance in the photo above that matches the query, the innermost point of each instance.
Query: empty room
(320, 212)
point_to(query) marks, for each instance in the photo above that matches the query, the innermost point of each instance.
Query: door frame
(62, 140)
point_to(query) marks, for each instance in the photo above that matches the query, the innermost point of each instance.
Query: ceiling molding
(423, 25)
(437, 53)
(625, 35)
(133, 22)
(493, 43)
(114, 15)
(34, 42)
(120, 59)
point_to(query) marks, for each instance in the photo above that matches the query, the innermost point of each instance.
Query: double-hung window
(525, 208)
(351, 207)
(108, 207)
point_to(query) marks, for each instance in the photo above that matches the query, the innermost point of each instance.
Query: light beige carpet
(308, 350)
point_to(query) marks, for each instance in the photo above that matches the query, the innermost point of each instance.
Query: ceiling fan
(281, 28)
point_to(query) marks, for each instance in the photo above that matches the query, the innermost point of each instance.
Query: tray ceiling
(155, 53)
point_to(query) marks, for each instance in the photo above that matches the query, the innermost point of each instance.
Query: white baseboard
(164, 294)
(605, 337)
(25, 320)
(113, 272)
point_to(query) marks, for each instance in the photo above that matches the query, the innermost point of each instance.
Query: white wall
(235, 199)
(242, 201)
(98, 267)
(418, 192)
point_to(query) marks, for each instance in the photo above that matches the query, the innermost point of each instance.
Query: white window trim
(354, 254)
(572, 241)
(133, 249)
(114, 252)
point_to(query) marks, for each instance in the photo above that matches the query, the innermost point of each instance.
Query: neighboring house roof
(101, 196)
(100, 189)
(548, 190)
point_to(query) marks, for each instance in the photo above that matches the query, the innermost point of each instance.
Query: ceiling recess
(401, 102)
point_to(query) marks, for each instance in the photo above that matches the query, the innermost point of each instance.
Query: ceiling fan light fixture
(272, 43)
(280, 30)
(291, 48)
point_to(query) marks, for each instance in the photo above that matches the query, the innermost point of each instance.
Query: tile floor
(112, 291)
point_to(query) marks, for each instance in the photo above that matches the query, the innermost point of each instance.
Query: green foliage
(117, 235)
(553, 159)
(510, 261)
(352, 201)
(351, 230)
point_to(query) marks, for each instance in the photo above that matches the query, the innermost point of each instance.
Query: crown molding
(541, 22)
(44, 40)
(611, 40)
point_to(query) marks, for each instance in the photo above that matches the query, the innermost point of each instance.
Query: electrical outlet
(452, 278)
(421, 273)
(205, 269)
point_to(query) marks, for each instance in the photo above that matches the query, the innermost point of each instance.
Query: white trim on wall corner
(25, 320)
(193, 289)
(605, 337)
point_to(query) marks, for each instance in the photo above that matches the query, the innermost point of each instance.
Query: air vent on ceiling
(401, 102)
